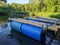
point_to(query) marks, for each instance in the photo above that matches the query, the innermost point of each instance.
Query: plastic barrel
(15, 25)
(36, 20)
(31, 31)
(47, 19)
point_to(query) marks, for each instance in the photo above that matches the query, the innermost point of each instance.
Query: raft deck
(38, 24)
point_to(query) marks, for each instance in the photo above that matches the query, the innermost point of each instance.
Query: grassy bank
(36, 14)
(2, 18)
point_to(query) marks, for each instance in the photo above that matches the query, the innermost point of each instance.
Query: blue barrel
(45, 18)
(33, 32)
(16, 25)
(36, 20)
(48, 19)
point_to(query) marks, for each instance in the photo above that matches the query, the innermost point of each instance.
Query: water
(4, 40)
(8, 37)
(23, 39)
(5, 31)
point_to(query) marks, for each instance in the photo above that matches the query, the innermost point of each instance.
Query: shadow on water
(23, 39)
(15, 38)
(4, 32)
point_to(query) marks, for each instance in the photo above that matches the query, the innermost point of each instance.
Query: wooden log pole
(55, 21)
(38, 24)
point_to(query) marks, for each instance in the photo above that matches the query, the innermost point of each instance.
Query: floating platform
(38, 24)
(31, 28)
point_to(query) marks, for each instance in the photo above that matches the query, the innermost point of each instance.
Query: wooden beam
(38, 24)
(48, 20)
(56, 26)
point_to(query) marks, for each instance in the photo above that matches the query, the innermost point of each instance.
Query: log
(38, 24)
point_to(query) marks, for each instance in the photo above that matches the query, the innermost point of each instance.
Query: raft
(31, 29)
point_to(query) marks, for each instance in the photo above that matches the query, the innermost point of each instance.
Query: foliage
(56, 15)
(43, 8)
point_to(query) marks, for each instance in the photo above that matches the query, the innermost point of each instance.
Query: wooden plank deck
(39, 24)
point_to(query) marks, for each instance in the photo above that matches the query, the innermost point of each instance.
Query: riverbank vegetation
(42, 8)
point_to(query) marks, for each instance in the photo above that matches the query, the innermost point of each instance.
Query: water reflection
(23, 39)
(51, 39)
(14, 36)
(4, 32)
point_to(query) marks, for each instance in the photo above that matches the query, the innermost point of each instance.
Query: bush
(46, 14)
(56, 15)
(3, 18)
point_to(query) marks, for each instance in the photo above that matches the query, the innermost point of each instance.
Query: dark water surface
(8, 37)
(4, 40)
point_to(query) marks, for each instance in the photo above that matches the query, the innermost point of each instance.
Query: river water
(8, 37)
